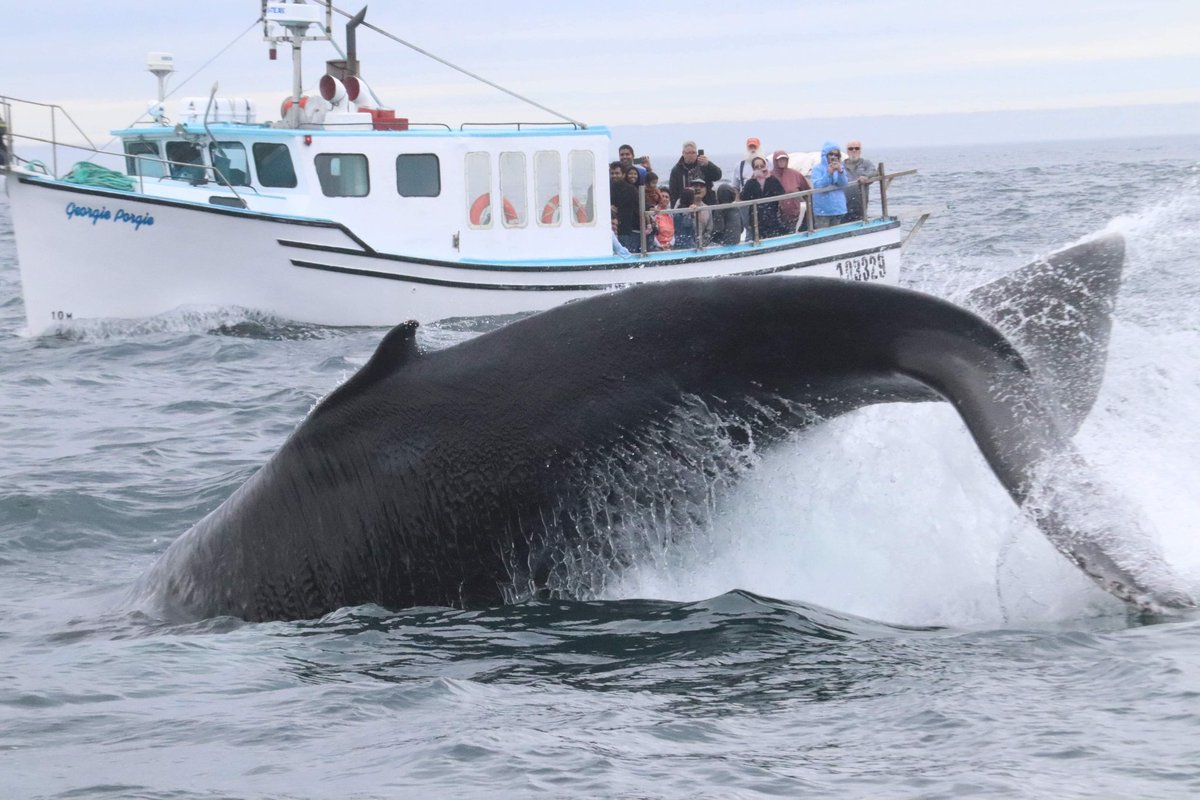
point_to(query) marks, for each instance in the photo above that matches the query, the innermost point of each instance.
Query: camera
(700, 152)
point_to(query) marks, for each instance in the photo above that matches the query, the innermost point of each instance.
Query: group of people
(693, 183)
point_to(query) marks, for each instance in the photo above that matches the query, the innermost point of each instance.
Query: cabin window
(273, 162)
(582, 168)
(418, 175)
(229, 161)
(186, 161)
(547, 184)
(512, 189)
(343, 174)
(149, 165)
(479, 190)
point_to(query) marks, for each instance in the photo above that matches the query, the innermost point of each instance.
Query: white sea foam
(892, 513)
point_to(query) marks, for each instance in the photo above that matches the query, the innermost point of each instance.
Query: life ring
(581, 214)
(286, 105)
(550, 213)
(481, 211)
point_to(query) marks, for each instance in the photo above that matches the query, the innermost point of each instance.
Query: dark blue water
(863, 614)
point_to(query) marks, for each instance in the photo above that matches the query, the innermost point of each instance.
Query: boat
(342, 213)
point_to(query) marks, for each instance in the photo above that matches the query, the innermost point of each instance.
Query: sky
(658, 68)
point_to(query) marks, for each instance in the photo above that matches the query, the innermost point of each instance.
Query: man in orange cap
(744, 171)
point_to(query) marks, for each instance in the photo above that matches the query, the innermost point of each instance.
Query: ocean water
(862, 614)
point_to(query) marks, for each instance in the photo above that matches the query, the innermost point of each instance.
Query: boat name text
(102, 214)
(863, 268)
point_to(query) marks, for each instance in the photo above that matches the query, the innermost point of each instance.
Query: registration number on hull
(863, 268)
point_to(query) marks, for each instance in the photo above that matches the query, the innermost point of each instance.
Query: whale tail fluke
(1058, 312)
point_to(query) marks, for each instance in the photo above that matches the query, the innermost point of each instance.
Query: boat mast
(295, 18)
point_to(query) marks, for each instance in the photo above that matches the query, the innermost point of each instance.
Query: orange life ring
(286, 105)
(481, 211)
(581, 214)
(550, 213)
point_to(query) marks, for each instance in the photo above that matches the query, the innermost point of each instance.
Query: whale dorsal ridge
(397, 348)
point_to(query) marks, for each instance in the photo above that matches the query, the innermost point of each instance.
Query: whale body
(450, 477)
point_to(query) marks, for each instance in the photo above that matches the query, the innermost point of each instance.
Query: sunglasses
(854, 148)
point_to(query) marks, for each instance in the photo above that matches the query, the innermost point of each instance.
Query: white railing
(185, 171)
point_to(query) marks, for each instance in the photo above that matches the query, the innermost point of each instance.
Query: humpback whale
(448, 477)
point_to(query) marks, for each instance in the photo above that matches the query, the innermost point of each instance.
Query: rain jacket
(828, 204)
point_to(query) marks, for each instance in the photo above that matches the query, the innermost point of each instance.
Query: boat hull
(89, 253)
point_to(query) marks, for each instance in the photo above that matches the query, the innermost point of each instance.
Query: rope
(88, 174)
(466, 72)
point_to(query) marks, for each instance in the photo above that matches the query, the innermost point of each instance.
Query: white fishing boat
(342, 213)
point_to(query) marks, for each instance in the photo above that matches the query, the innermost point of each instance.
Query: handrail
(5, 135)
(884, 179)
(54, 108)
(467, 125)
(218, 178)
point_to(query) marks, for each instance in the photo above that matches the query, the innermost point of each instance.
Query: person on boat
(652, 190)
(763, 184)
(829, 207)
(625, 156)
(744, 170)
(685, 224)
(618, 248)
(703, 199)
(691, 159)
(3, 142)
(664, 223)
(727, 222)
(792, 180)
(858, 170)
(635, 179)
(624, 197)
(698, 185)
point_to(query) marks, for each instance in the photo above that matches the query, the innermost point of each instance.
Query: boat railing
(191, 172)
(5, 133)
(187, 171)
(421, 125)
(55, 112)
(702, 219)
(520, 126)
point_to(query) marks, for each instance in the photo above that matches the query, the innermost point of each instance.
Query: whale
(461, 477)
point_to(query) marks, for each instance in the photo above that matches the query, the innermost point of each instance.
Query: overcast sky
(619, 63)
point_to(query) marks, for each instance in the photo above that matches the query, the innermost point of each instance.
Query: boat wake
(222, 321)
(244, 323)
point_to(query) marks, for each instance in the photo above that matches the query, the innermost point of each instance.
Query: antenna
(161, 65)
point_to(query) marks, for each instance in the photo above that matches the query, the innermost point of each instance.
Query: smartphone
(700, 152)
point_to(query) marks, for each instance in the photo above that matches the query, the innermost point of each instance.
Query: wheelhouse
(514, 194)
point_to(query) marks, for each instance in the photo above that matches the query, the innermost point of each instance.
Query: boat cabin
(508, 193)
